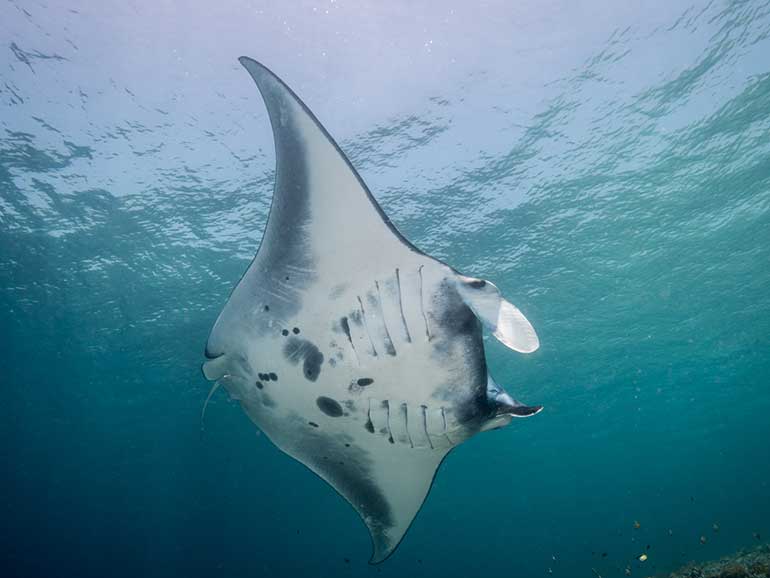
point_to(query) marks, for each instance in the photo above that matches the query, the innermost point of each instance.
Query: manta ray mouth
(216, 366)
(525, 410)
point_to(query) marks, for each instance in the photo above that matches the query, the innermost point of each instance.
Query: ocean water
(607, 166)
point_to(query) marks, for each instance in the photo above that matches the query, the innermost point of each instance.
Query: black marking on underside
(267, 401)
(401, 307)
(350, 470)
(389, 348)
(298, 349)
(329, 406)
(364, 381)
(422, 305)
(346, 329)
(366, 326)
(369, 425)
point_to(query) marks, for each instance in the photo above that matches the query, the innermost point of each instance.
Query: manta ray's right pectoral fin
(506, 322)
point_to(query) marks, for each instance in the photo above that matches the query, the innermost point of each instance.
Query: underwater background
(606, 164)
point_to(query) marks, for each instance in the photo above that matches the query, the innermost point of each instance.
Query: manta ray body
(352, 350)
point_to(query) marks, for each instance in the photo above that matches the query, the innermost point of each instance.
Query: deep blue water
(607, 167)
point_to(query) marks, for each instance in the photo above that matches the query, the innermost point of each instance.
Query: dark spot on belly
(297, 349)
(314, 424)
(369, 426)
(332, 361)
(477, 283)
(267, 308)
(295, 331)
(259, 385)
(364, 381)
(285, 332)
(347, 445)
(329, 406)
(267, 401)
(273, 376)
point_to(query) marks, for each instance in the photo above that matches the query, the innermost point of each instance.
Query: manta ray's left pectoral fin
(503, 319)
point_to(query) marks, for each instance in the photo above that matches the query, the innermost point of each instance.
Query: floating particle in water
(703, 539)
(756, 535)
(715, 527)
(628, 570)
(550, 571)
(347, 560)
(604, 554)
(642, 557)
(637, 525)
(670, 532)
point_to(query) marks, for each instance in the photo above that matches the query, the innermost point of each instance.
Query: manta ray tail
(206, 403)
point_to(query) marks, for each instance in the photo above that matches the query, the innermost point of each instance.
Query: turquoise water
(607, 167)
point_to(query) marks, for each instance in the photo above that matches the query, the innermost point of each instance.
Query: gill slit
(425, 424)
(392, 349)
(401, 307)
(446, 433)
(405, 408)
(366, 325)
(422, 305)
(386, 405)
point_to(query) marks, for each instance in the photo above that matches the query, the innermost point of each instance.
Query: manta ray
(356, 353)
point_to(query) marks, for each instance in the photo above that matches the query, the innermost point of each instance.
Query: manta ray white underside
(356, 353)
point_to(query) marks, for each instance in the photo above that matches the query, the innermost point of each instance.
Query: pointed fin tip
(257, 70)
(382, 553)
